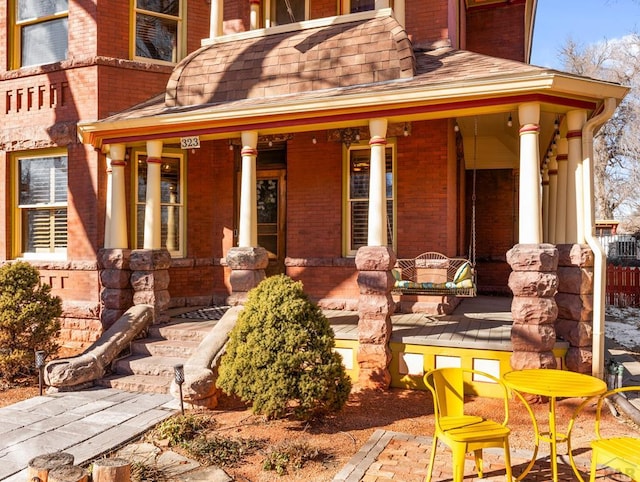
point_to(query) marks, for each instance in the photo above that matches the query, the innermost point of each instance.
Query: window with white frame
(172, 192)
(41, 202)
(41, 33)
(158, 30)
(357, 195)
(281, 12)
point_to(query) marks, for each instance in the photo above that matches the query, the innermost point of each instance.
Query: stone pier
(575, 304)
(116, 296)
(150, 280)
(247, 270)
(534, 283)
(375, 307)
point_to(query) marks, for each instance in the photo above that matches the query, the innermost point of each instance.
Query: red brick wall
(497, 31)
(427, 21)
(314, 197)
(422, 189)
(496, 225)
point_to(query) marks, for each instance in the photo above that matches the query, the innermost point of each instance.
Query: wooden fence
(623, 286)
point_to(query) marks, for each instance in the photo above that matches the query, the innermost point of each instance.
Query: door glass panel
(267, 199)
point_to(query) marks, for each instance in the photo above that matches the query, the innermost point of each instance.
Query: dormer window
(362, 5)
(282, 12)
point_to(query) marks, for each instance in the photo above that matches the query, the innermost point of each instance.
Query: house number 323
(192, 142)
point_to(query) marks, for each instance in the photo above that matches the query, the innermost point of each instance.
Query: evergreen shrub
(28, 320)
(280, 354)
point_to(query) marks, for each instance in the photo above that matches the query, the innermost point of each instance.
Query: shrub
(289, 455)
(280, 354)
(181, 429)
(28, 319)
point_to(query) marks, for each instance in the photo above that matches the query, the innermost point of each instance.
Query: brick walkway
(393, 456)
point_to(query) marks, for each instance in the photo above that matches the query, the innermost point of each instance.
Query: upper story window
(41, 202)
(281, 12)
(158, 30)
(362, 5)
(172, 192)
(41, 32)
(357, 197)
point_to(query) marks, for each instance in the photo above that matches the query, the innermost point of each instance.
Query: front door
(271, 200)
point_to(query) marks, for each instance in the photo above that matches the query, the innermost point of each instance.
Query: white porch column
(216, 18)
(152, 218)
(377, 226)
(115, 231)
(545, 202)
(254, 14)
(248, 229)
(553, 198)
(561, 198)
(530, 215)
(575, 199)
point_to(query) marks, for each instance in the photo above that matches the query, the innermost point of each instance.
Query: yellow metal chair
(619, 453)
(464, 433)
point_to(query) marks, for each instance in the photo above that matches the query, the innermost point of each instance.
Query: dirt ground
(338, 437)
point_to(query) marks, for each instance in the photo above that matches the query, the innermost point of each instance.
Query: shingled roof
(277, 62)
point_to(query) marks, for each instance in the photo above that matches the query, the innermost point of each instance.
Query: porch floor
(482, 322)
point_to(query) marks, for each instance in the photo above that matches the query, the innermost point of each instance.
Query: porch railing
(620, 246)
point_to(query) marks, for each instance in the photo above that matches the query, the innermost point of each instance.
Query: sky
(584, 21)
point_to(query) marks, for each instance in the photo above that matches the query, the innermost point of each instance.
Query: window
(41, 33)
(357, 210)
(158, 30)
(362, 5)
(42, 206)
(281, 12)
(171, 201)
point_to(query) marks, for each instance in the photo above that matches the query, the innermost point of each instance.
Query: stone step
(182, 330)
(137, 383)
(147, 365)
(162, 347)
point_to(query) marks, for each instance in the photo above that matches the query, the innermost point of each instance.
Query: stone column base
(375, 307)
(534, 283)
(150, 280)
(116, 296)
(247, 270)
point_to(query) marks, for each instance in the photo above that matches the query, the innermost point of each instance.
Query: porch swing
(434, 274)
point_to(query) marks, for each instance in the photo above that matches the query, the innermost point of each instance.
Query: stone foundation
(375, 308)
(534, 283)
(575, 304)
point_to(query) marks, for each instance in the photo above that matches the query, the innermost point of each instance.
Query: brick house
(322, 142)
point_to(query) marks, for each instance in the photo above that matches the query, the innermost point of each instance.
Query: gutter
(600, 259)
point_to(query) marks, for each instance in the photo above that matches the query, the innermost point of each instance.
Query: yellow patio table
(554, 384)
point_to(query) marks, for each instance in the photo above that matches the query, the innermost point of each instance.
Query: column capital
(529, 113)
(378, 128)
(154, 149)
(117, 152)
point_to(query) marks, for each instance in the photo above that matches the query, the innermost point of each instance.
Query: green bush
(28, 320)
(280, 354)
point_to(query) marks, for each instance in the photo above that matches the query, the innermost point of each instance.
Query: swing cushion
(462, 273)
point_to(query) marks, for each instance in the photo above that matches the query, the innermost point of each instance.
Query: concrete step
(147, 365)
(182, 330)
(162, 347)
(137, 383)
